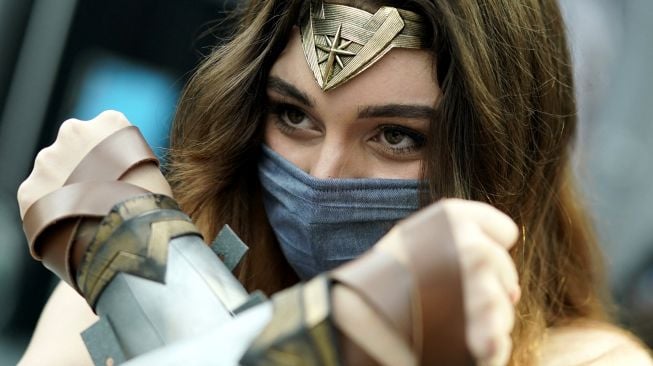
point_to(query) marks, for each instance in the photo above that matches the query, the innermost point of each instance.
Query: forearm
(356, 342)
(163, 288)
(64, 317)
(372, 310)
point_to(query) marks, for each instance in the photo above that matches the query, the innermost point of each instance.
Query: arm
(483, 234)
(401, 302)
(64, 317)
(66, 313)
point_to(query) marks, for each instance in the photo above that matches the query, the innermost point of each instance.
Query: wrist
(149, 177)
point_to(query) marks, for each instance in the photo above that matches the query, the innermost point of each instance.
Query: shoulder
(593, 343)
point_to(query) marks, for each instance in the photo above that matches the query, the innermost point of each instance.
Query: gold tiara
(341, 41)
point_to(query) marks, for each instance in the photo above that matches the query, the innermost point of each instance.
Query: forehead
(402, 76)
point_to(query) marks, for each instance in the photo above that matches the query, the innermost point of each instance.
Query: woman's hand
(75, 139)
(482, 236)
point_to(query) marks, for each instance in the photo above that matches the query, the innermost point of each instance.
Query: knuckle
(450, 204)
(68, 126)
(112, 114)
(473, 259)
(490, 300)
(479, 264)
(483, 344)
(503, 261)
(42, 155)
(20, 193)
(489, 346)
(490, 309)
(494, 330)
(44, 163)
(503, 351)
(511, 269)
(70, 121)
(114, 117)
(481, 299)
(24, 195)
(475, 340)
(470, 234)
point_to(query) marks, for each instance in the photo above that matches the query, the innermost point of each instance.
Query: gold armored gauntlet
(133, 238)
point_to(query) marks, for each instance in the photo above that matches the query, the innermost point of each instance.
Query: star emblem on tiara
(334, 50)
(341, 41)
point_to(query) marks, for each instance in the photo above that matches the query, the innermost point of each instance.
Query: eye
(399, 140)
(396, 138)
(289, 118)
(294, 117)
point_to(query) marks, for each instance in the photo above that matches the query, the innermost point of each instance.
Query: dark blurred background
(75, 58)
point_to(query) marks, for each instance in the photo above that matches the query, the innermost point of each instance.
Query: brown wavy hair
(503, 135)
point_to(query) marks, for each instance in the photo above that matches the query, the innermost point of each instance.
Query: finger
(68, 127)
(496, 224)
(477, 248)
(490, 319)
(502, 354)
(39, 178)
(507, 272)
(33, 189)
(54, 164)
(23, 198)
(77, 138)
(500, 260)
(485, 299)
(114, 120)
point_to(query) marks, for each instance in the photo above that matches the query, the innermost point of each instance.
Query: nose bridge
(333, 160)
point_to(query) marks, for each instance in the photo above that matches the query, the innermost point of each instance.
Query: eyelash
(419, 139)
(277, 109)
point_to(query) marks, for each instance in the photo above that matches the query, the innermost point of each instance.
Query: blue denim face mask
(322, 223)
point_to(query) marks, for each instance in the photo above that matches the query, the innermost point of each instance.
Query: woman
(483, 111)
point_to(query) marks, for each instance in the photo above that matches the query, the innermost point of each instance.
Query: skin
(67, 314)
(351, 141)
(342, 133)
(324, 134)
(75, 139)
(335, 142)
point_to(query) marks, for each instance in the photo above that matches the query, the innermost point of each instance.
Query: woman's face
(373, 126)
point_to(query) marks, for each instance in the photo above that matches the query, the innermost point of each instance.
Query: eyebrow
(397, 110)
(377, 111)
(283, 87)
